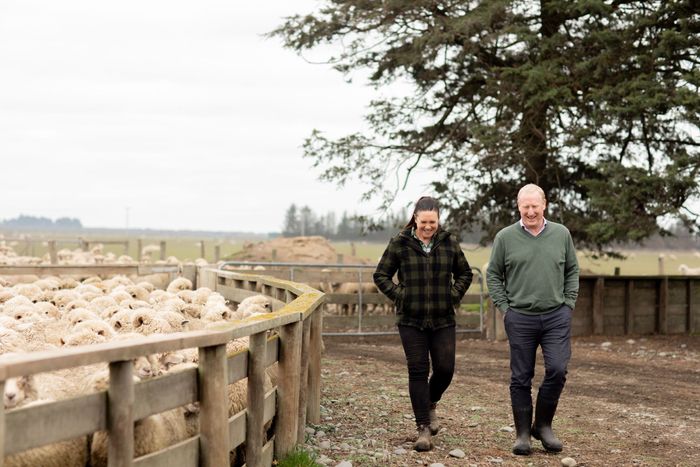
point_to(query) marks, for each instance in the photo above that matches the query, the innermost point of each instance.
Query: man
(533, 278)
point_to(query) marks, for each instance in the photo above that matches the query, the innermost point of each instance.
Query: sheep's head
(18, 390)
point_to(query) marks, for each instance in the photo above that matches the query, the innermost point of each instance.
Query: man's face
(531, 207)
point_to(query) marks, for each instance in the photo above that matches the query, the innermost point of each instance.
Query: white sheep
(688, 271)
(180, 283)
(144, 321)
(19, 391)
(255, 303)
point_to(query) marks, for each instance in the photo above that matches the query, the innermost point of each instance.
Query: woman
(433, 276)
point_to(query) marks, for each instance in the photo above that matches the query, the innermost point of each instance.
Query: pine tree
(595, 101)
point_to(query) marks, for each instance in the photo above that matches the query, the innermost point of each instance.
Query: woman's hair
(424, 203)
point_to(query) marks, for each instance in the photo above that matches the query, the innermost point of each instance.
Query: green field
(637, 262)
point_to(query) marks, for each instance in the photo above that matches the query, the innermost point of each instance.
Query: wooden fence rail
(623, 305)
(294, 400)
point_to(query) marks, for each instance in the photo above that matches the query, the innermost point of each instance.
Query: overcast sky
(165, 114)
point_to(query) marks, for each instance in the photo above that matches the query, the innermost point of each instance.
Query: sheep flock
(51, 312)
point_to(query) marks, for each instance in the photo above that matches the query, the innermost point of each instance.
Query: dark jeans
(552, 331)
(422, 347)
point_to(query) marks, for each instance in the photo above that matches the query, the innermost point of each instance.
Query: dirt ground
(632, 400)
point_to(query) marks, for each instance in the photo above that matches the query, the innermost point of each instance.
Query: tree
(595, 101)
(291, 225)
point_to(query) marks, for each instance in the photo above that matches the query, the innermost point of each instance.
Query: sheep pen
(158, 358)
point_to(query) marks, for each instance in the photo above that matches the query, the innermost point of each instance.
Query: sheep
(89, 332)
(216, 312)
(31, 291)
(17, 300)
(47, 310)
(23, 392)
(19, 391)
(146, 286)
(138, 292)
(77, 303)
(120, 295)
(144, 322)
(201, 295)
(187, 296)
(66, 282)
(181, 283)
(160, 296)
(258, 303)
(192, 310)
(121, 321)
(688, 271)
(63, 297)
(6, 294)
(78, 315)
(176, 320)
(100, 303)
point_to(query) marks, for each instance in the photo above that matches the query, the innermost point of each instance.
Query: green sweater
(533, 274)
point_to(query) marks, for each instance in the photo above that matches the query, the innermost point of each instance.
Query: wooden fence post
(663, 306)
(313, 408)
(202, 252)
(690, 322)
(288, 388)
(304, 375)
(126, 247)
(598, 310)
(162, 250)
(52, 252)
(629, 310)
(217, 253)
(120, 414)
(255, 436)
(139, 248)
(213, 412)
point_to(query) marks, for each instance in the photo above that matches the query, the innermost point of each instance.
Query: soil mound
(313, 249)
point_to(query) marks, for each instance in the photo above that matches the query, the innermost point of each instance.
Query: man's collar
(522, 224)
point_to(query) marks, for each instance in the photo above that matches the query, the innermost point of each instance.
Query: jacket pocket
(398, 301)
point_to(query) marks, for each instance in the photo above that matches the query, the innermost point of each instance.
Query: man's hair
(531, 188)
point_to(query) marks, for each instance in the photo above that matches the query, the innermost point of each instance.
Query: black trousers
(421, 347)
(551, 331)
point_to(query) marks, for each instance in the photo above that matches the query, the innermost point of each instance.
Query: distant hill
(41, 223)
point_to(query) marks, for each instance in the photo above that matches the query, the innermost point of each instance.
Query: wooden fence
(296, 398)
(27, 246)
(622, 305)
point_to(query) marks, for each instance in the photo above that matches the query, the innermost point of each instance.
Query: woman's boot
(424, 442)
(542, 428)
(522, 417)
(434, 422)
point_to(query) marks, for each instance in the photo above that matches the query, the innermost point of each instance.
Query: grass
(300, 457)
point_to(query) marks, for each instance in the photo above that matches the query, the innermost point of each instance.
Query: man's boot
(522, 416)
(542, 428)
(424, 442)
(434, 422)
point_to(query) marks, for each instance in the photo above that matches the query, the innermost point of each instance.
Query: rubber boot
(542, 428)
(434, 422)
(424, 441)
(522, 416)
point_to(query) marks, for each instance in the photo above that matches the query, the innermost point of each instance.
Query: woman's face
(426, 224)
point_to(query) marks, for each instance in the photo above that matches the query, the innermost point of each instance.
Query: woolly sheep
(22, 392)
(144, 322)
(17, 300)
(67, 282)
(262, 304)
(63, 297)
(6, 294)
(98, 304)
(19, 391)
(186, 296)
(688, 271)
(147, 286)
(89, 333)
(138, 292)
(121, 320)
(78, 315)
(176, 320)
(77, 303)
(47, 310)
(202, 294)
(180, 283)
(31, 291)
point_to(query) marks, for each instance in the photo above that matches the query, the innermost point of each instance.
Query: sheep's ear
(117, 325)
(139, 321)
(184, 322)
(63, 342)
